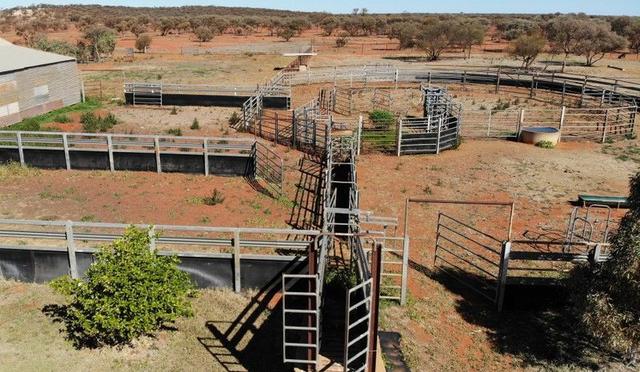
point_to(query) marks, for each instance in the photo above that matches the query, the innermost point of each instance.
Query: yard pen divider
(302, 239)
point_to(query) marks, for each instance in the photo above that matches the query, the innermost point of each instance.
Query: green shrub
(195, 125)
(215, 198)
(62, 118)
(174, 132)
(545, 144)
(129, 291)
(93, 123)
(382, 117)
(606, 295)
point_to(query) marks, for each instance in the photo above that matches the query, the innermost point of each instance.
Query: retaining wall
(217, 100)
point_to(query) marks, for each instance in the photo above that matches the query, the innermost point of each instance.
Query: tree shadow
(536, 325)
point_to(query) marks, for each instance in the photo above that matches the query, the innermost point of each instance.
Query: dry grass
(31, 341)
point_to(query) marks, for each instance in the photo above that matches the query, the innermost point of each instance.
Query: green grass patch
(36, 123)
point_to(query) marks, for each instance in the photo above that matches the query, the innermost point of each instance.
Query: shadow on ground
(249, 343)
(536, 325)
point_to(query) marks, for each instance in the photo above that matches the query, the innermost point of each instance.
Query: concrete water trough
(534, 135)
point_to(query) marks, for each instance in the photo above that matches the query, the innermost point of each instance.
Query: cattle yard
(315, 187)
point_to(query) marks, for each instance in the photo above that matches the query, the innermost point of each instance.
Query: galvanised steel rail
(588, 87)
(73, 237)
(203, 89)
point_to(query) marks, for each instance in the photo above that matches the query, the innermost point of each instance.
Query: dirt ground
(138, 197)
(441, 328)
(226, 333)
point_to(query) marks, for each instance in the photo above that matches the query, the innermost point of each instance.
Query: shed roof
(14, 57)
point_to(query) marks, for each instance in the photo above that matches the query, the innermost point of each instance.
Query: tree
(595, 40)
(137, 29)
(405, 33)
(528, 47)
(329, 24)
(633, 35)
(468, 34)
(129, 291)
(166, 25)
(287, 32)
(342, 40)
(99, 40)
(434, 38)
(563, 35)
(619, 25)
(203, 34)
(606, 295)
(54, 46)
(143, 42)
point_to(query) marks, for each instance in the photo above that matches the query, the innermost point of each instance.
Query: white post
(521, 122)
(604, 128)
(399, 137)
(65, 144)
(439, 130)
(236, 261)
(405, 270)
(110, 149)
(152, 238)
(502, 275)
(562, 116)
(156, 145)
(71, 250)
(20, 149)
(359, 134)
(489, 125)
(205, 152)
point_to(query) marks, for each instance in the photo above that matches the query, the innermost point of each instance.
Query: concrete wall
(38, 90)
(219, 164)
(206, 271)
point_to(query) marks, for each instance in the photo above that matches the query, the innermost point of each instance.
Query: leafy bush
(382, 117)
(62, 118)
(606, 295)
(545, 144)
(195, 125)
(215, 198)
(174, 132)
(129, 291)
(93, 123)
(342, 40)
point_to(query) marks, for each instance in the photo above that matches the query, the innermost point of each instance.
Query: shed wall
(38, 90)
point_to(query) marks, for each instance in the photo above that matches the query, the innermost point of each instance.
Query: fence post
(498, 81)
(205, 152)
(533, 82)
(584, 86)
(152, 238)
(359, 134)
(65, 144)
(276, 129)
(110, 149)
(405, 270)
(489, 124)
(439, 130)
(562, 116)
(399, 136)
(502, 274)
(20, 149)
(156, 145)
(520, 122)
(376, 274)
(564, 90)
(71, 249)
(236, 261)
(396, 78)
(604, 127)
(429, 81)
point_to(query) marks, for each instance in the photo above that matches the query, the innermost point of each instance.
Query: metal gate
(357, 327)
(470, 256)
(269, 167)
(300, 319)
(146, 93)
